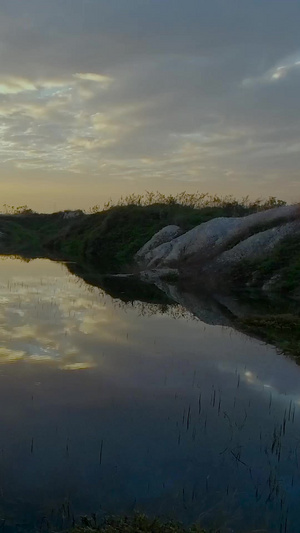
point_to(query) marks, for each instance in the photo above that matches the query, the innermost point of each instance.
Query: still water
(111, 408)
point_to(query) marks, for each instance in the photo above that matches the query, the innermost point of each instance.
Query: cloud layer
(187, 94)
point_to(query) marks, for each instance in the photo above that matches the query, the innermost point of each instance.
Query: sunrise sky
(100, 98)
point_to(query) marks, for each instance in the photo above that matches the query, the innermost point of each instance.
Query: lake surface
(111, 408)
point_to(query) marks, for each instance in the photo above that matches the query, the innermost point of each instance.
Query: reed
(139, 523)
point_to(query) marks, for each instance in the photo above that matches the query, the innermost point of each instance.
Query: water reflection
(107, 407)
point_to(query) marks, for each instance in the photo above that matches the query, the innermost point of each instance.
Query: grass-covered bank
(136, 524)
(110, 237)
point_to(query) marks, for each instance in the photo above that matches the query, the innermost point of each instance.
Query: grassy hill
(110, 237)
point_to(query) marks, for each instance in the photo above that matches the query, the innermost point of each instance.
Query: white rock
(258, 245)
(72, 214)
(165, 235)
(212, 237)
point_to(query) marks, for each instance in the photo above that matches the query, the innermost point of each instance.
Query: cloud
(15, 85)
(8, 355)
(78, 366)
(277, 73)
(99, 78)
(151, 92)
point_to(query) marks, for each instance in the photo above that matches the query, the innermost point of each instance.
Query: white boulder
(166, 234)
(211, 238)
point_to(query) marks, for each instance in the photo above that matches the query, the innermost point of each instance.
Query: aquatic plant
(282, 330)
(139, 523)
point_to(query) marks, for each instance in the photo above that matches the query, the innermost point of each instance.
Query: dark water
(111, 408)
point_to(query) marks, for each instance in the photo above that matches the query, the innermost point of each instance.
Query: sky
(102, 98)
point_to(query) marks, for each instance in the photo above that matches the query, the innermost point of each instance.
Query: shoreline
(101, 248)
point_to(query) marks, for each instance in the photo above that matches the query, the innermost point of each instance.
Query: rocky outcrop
(165, 235)
(72, 214)
(214, 247)
(200, 239)
(257, 246)
(215, 236)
